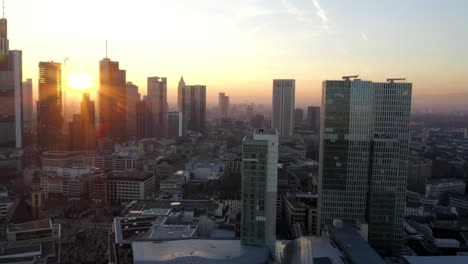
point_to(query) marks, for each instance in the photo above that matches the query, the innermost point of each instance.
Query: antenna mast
(106, 48)
(3, 13)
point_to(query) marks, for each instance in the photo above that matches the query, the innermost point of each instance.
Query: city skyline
(309, 52)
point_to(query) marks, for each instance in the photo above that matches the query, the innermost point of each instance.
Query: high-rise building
(313, 118)
(144, 119)
(298, 116)
(364, 157)
(223, 105)
(88, 123)
(75, 131)
(259, 188)
(49, 109)
(133, 97)
(112, 100)
(11, 112)
(283, 106)
(28, 105)
(180, 93)
(175, 123)
(157, 95)
(194, 107)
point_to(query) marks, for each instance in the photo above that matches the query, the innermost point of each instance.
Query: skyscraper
(298, 116)
(11, 112)
(144, 119)
(133, 97)
(259, 187)
(112, 100)
(180, 93)
(88, 123)
(49, 109)
(313, 118)
(223, 105)
(364, 157)
(175, 123)
(194, 107)
(157, 95)
(28, 105)
(283, 106)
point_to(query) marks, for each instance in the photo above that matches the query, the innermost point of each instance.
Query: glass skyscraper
(364, 157)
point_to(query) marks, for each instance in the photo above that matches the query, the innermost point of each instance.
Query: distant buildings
(11, 94)
(364, 157)
(157, 96)
(313, 118)
(194, 107)
(124, 187)
(144, 119)
(88, 123)
(133, 97)
(298, 116)
(175, 123)
(259, 187)
(112, 100)
(283, 106)
(223, 105)
(49, 113)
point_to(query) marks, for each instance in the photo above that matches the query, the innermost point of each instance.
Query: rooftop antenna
(392, 80)
(106, 48)
(347, 78)
(3, 13)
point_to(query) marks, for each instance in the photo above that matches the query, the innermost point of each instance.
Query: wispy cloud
(321, 14)
(298, 13)
(364, 36)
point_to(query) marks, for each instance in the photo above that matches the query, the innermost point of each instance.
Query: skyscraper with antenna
(11, 113)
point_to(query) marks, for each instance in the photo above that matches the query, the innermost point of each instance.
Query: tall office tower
(11, 112)
(259, 187)
(175, 123)
(298, 116)
(389, 165)
(157, 94)
(194, 107)
(283, 106)
(112, 100)
(223, 105)
(49, 107)
(144, 119)
(180, 93)
(88, 122)
(28, 105)
(313, 118)
(364, 157)
(75, 130)
(133, 97)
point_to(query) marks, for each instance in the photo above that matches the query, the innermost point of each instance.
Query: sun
(80, 81)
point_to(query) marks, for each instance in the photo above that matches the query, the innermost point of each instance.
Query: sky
(240, 46)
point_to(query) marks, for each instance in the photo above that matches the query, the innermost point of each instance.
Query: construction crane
(392, 80)
(347, 78)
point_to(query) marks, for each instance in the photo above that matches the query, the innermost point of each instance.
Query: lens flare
(80, 81)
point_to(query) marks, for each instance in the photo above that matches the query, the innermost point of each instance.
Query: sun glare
(80, 81)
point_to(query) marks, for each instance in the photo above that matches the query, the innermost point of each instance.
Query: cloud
(364, 36)
(298, 13)
(321, 14)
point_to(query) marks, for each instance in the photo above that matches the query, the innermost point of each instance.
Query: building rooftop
(30, 226)
(171, 232)
(436, 259)
(312, 250)
(198, 251)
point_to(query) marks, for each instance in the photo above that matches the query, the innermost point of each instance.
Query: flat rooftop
(171, 232)
(198, 251)
(436, 259)
(265, 131)
(30, 226)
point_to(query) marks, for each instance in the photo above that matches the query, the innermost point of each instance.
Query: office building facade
(175, 123)
(157, 95)
(283, 106)
(194, 107)
(28, 105)
(313, 118)
(133, 97)
(364, 157)
(259, 188)
(49, 111)
(223, 105)
(11, 94)
(112, 101)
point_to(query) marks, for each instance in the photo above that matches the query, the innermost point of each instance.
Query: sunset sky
(239, 46)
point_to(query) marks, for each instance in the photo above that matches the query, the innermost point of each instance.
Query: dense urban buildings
(157, 95)
(11, 94)
(259, 188)
(364, 157)
(49, 107)
(112, 100)
(283, 106)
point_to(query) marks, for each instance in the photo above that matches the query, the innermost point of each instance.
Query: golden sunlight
(80, 81)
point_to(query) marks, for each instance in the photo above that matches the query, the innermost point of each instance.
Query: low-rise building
(300, 209)
(440, 188)
(124, 187)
